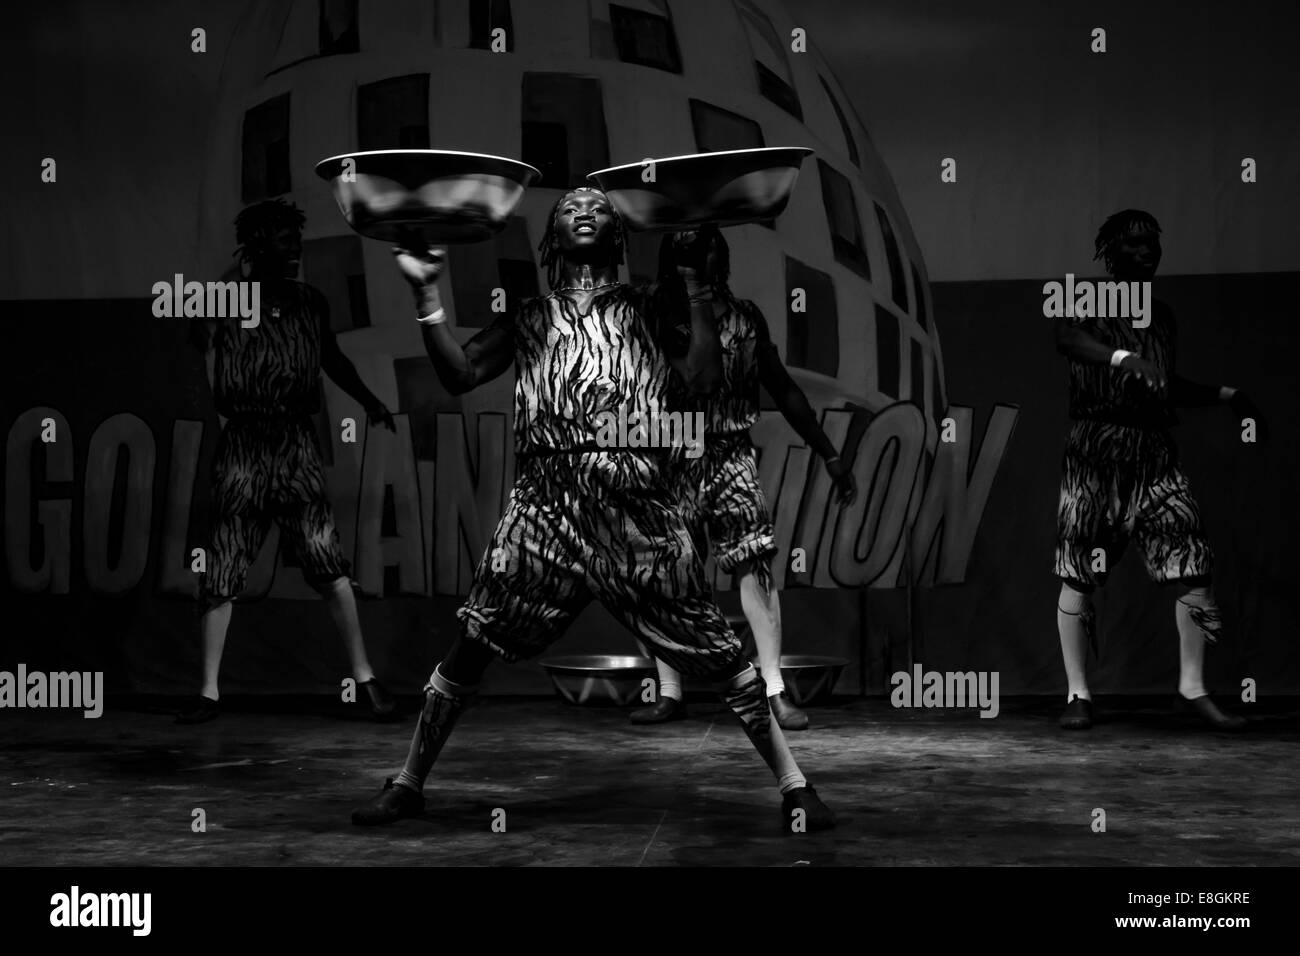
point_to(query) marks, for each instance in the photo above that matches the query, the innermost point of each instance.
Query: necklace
(603, 285)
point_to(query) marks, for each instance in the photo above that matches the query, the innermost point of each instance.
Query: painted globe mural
(569, 87)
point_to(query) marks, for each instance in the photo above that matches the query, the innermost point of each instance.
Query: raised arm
(459, 369)
(485, 356)
(684, 310)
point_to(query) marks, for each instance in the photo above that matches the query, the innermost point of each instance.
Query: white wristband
(436, 317)
(1119, 356)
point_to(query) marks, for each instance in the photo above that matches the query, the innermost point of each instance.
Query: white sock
(791, 781)
(772, 677)
(670, 682)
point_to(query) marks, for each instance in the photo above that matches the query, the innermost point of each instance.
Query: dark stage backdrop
(154, 141)
(110, 434)
(999, 347)
(122, 601)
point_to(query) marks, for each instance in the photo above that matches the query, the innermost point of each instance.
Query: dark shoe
(1077, 714)
(660, 712)
(199, 711)
(817, 816)
(383, 705)
(392, 804)
(1206, 709)
(788, 716)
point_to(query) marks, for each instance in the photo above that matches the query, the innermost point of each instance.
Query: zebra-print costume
(1121, 475)
(728, 501)
(587, 522)
(267, 467)
(274, 368)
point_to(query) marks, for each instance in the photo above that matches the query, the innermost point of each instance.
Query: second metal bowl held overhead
(441, 196)
(683, 192)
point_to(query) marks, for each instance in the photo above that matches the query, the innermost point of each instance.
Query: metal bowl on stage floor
(599, 679)
(727, 188)
(443, 195)
(809, 678)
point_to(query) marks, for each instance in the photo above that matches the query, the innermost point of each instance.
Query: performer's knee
(1194, 584)
(759, 568)
(212, 598)
(213, 602)
(742, 675)
(466, 662)
(746, 695)
(722, 665)
(326, 586)
(1075, 597)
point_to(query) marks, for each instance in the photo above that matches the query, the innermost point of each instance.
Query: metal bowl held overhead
(442, 195)
(810, 678)
(599, 679)
(683, 192)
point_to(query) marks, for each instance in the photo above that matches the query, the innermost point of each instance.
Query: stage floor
(581, 786)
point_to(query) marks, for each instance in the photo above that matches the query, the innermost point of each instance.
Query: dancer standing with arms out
(266, 383)
(1122, 478)
(730, 512)
(584, 521)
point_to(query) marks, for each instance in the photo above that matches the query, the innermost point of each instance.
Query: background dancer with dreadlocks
(730, 511)
(266, 384)
(585, 520)
(1122, 478)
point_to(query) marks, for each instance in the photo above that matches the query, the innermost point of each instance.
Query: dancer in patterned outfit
(585, 521)
(1122, 479)
(730, 511)
(266, 384)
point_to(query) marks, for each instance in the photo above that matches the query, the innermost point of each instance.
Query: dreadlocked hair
(708, 233)
(1119, 225)
(549, 247)
(258, 222)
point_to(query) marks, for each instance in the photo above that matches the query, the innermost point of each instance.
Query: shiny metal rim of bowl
(803, 152)
(531, 173)
(606, 664)
(809, 661)
(612, 663)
